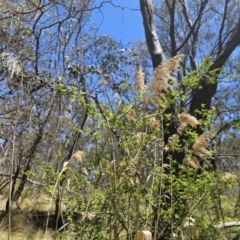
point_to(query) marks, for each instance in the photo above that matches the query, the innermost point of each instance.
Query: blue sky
(125, 25)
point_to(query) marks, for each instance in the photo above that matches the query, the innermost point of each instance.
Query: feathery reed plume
(164, 72)
(139, 81)
(159, 87)
(84, 171)
(166, 148)
(144, 235)
(131, 115)
(162, 75)
(153, 123)
(199, 148)
(68, 171)
(157, 93)
(173, 142)
(193, 163)
(13, 64)
(140, 137)
(228, 176)
(186, 119)
(66, 167)
(78, 156)
(89, 215)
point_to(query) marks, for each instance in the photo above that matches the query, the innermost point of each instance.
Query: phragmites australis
(139, 81)
(186, 119)
(200, 147)
(163, 77)
(78, 156)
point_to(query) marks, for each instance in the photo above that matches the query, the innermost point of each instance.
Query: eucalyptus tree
(205, 29)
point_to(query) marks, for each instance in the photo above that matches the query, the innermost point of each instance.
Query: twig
(227, 225)
(62, 227)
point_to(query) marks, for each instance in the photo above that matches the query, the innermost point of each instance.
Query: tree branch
(171, 10)
(192, 52)
(227, 225)
(185, 13)
(207, 91)
(203, 5)
(222, 27)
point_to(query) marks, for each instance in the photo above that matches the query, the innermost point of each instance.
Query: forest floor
(24, 221)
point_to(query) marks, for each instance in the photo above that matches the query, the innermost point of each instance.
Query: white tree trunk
(154, 46)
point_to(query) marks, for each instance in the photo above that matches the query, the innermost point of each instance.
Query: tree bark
(152, 41)
(204, 95)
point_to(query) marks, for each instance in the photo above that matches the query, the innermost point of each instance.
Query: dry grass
(22, 227)
(3, 200)
(26, 235)
(33, 198)
(35, 203)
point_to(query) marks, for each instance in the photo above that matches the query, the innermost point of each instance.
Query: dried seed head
(140, 136)
(193, 163)
(162, 75)
(78, 156)
(186, 119)
(131, 115)
(164, 72)
(173, 141)
(139, 81)
(228, 176)
(153, 123)
(84, 171)
(199, 148)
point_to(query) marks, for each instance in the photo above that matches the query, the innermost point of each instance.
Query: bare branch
(185, 13)
(222, 27)
(192, 52)
(227, 225)
(171, 10)
(198, 19)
